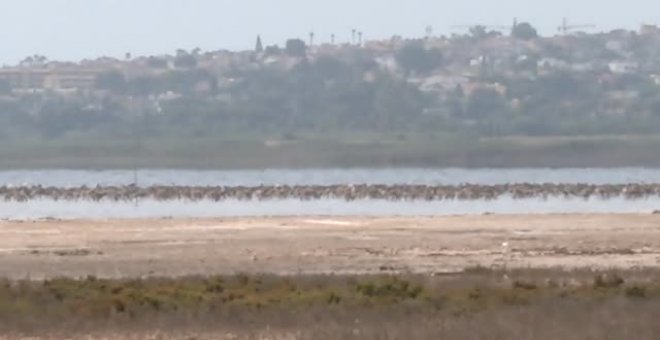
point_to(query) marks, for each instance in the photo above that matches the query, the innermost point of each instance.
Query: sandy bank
(175, 247)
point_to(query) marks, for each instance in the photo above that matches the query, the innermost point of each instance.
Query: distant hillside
(476, 86)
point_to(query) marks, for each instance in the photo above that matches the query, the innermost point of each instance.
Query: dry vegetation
(338, 151)
(478, 304)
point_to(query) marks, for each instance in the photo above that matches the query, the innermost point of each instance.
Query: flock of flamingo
(343, 192)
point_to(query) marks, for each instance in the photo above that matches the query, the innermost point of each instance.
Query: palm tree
(41, 59)
(29, 61)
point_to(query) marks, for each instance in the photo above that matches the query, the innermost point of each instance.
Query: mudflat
(324, 245)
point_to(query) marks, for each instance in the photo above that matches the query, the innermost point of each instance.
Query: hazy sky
(76, 29)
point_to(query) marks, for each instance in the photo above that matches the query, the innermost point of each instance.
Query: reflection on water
(69, 178)
(232, 208)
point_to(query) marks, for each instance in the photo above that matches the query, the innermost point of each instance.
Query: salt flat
(116, 248)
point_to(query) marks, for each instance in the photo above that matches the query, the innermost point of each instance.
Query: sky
(77, 29)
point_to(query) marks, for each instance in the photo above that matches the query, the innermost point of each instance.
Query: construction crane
(565, 28)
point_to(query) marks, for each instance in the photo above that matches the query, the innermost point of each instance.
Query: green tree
(478, 32)
(413, 56)
(296, 48)
(563, 85)
(396, 104)
(273, 50)
(185, 60)
(112, 81)
(485, 102)
(454, 101)
(524, 31)
(143, 85)
(155, 62)
(330, 67)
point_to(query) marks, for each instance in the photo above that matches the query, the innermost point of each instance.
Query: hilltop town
(470, 86)
(481, 78)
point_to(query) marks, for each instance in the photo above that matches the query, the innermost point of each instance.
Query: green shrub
(636, 292)
(608, 281)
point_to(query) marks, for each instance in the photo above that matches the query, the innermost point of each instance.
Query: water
(328, 207)
(233, 208)
(73, 178)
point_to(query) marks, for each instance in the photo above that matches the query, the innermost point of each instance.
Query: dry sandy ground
(138, 248)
